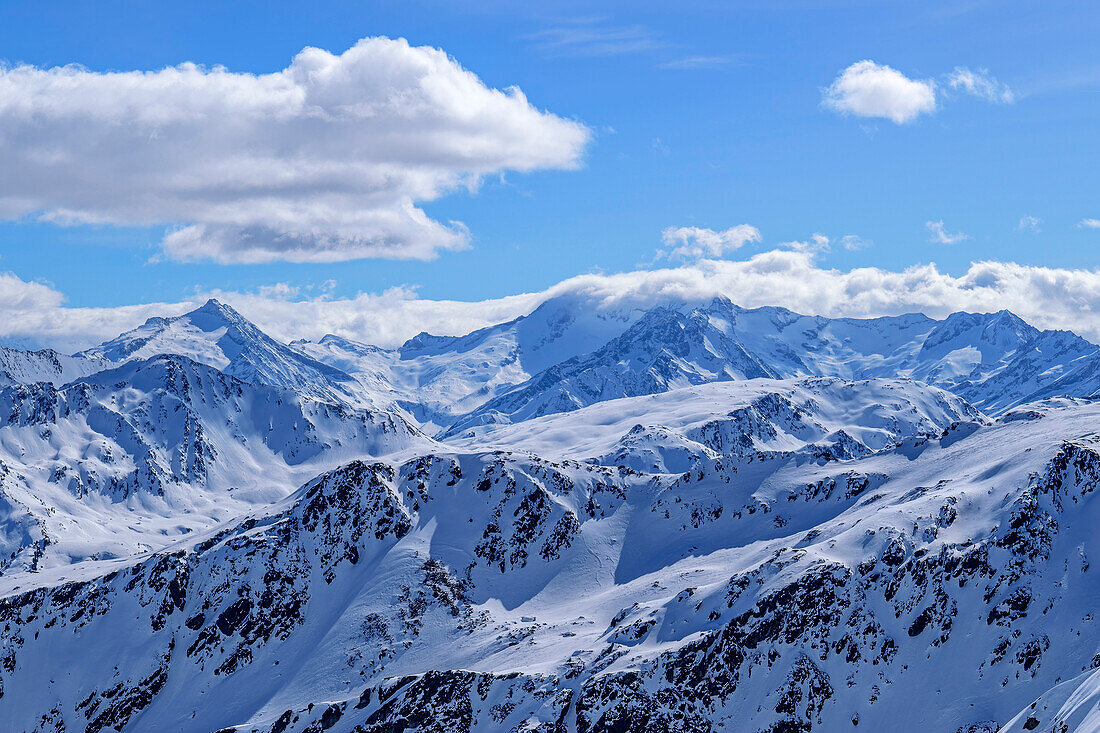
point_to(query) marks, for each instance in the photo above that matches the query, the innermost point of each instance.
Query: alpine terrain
(692, 517)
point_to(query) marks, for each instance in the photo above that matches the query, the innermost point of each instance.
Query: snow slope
(45, 365)
(754, 414)
(915, 588)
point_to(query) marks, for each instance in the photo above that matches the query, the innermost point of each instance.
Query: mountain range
(594, 518)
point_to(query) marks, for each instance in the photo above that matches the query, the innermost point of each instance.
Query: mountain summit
(217, 335)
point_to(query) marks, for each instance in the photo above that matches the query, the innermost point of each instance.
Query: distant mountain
(995, 360)
(438, 378)
(217, 335)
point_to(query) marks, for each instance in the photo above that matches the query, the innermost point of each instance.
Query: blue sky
(698, 114)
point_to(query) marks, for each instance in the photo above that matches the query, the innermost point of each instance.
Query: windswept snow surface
(692, 518)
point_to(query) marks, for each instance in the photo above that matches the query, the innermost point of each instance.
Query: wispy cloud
(689, 63)
(817, 244)
(1089, 224)
(1029, 224)
(594, 37)
(980, 84)
(941, 236)
(853, 242)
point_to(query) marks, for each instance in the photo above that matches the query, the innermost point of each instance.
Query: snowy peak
(202, 334)
(217, 335)
(993, 335)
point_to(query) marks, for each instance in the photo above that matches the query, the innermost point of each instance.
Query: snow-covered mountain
(995, 360)
(131, 458)
(217, 335)
(694, 517)
(439, 378)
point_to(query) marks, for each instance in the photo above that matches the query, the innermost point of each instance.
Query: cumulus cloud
(980, 84)
(1089, 223)
(1029, 224)
(326, 160)
(867, 89)
(691, 243)
(34, 314)
(940, 235)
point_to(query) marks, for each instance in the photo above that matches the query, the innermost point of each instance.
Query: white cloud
(1089, 224)
(980, 84)
(867, 89)
(941, 236)
(1029, 224)
(326, 160)
(690, 243)
(33, 314)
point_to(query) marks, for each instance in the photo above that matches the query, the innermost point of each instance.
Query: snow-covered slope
(751, 415)
(45, 365)
(131, 458)
(934, 585)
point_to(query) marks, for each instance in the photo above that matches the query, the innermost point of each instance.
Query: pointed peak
(213, 305)
(214, 314)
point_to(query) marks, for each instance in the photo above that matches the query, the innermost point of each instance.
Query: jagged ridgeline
(692, 517)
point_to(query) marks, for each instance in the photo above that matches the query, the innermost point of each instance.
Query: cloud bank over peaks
(326, 160)
(33, 314)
